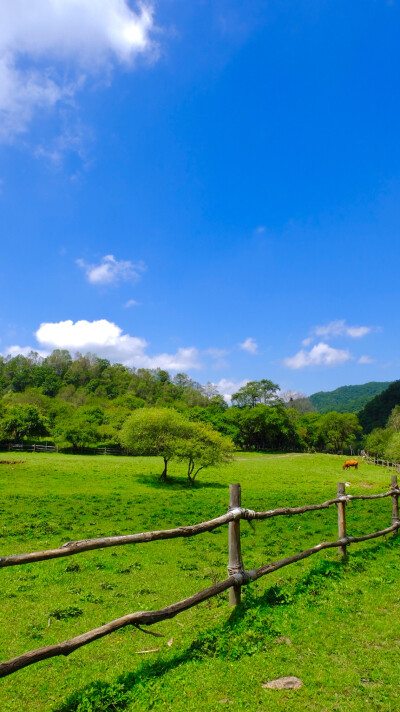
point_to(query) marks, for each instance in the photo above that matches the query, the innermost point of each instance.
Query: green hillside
(376, 412)
(347, 399)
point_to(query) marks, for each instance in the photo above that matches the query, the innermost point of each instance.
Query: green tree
(21, 421)
(256, 392)
(201, 447)
(155, 431)
(338, 430)
(393, 422)
(376, 442)
(392, 449)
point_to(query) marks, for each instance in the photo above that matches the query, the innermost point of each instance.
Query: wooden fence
(23, 447)
(383, 463)
(40, 447)
(237, 575)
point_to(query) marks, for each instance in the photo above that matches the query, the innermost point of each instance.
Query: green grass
(341, 618)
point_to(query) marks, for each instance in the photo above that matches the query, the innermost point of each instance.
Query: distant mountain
(377, 411)
(347, 399)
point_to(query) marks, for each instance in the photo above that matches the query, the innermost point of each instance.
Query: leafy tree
(338, 430)
(376, 442)
(255, 393)
(155, 431)
(77, 431)
(392, 449)
(308, 429)
(203, 446)
(393, 422)
(265, 428)
(21, 421)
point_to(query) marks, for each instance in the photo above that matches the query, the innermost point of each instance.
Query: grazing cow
(350, 463)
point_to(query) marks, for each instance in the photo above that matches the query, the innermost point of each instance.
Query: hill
(376, 412)
(347, 399)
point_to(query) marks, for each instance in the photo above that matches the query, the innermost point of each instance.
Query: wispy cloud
(131, 303)
(340, 328)
(250, 345)
(111, 271)
(366, 359)
(216, 353)
(320, 355)
(45, 41)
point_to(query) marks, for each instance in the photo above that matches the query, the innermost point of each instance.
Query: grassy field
(333, 624)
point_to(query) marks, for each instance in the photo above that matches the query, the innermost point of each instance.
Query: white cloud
(340, 328)
(42, 41)
(112, 271)
(366, 359)
(250, 345)
(24, 351)
(131, 303)
(227, 387)
(320, 355)
(307, 341)
(216, 353)
(106, 339)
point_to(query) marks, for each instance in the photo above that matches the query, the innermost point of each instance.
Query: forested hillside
(376, 413)
(87, 401)
(347, 399)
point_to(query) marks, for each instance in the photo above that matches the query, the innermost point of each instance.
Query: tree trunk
(163, 476)
(193, 477)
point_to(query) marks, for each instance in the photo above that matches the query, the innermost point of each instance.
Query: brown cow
(350, 463)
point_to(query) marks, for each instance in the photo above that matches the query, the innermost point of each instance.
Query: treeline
(385, 442)
(376, 413)
(85, 401)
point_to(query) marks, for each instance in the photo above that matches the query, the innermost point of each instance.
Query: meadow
(329, 622)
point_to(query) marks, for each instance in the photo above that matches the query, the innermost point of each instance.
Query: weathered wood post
(341, 491)
(395, 503)
(235, 565)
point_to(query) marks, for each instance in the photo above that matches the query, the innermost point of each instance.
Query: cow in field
(350, 463)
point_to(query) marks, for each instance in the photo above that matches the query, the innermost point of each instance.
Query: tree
(376, 441)
(394, 419)
(256, 392)
(21, 421)
(338, 430)
(203, 446)
(392, 449)
(155, 431)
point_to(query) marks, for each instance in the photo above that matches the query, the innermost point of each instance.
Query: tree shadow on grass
(251, 627)
(178, 484)
(223, 640)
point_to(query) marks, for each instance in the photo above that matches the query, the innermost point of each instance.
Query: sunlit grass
(340, 617)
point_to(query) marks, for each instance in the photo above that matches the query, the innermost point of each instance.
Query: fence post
(235, 565)
(341, 491)
(395, 503)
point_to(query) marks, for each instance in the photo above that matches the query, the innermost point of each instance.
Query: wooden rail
(237, 577)
(382, 463)
(76, 547)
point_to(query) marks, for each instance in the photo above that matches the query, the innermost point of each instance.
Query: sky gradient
(210, 187)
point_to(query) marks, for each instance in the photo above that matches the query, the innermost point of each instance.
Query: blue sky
(205, 186)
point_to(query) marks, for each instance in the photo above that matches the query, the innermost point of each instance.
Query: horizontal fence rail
(382, 463)
(237, 577)
(71, 548)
